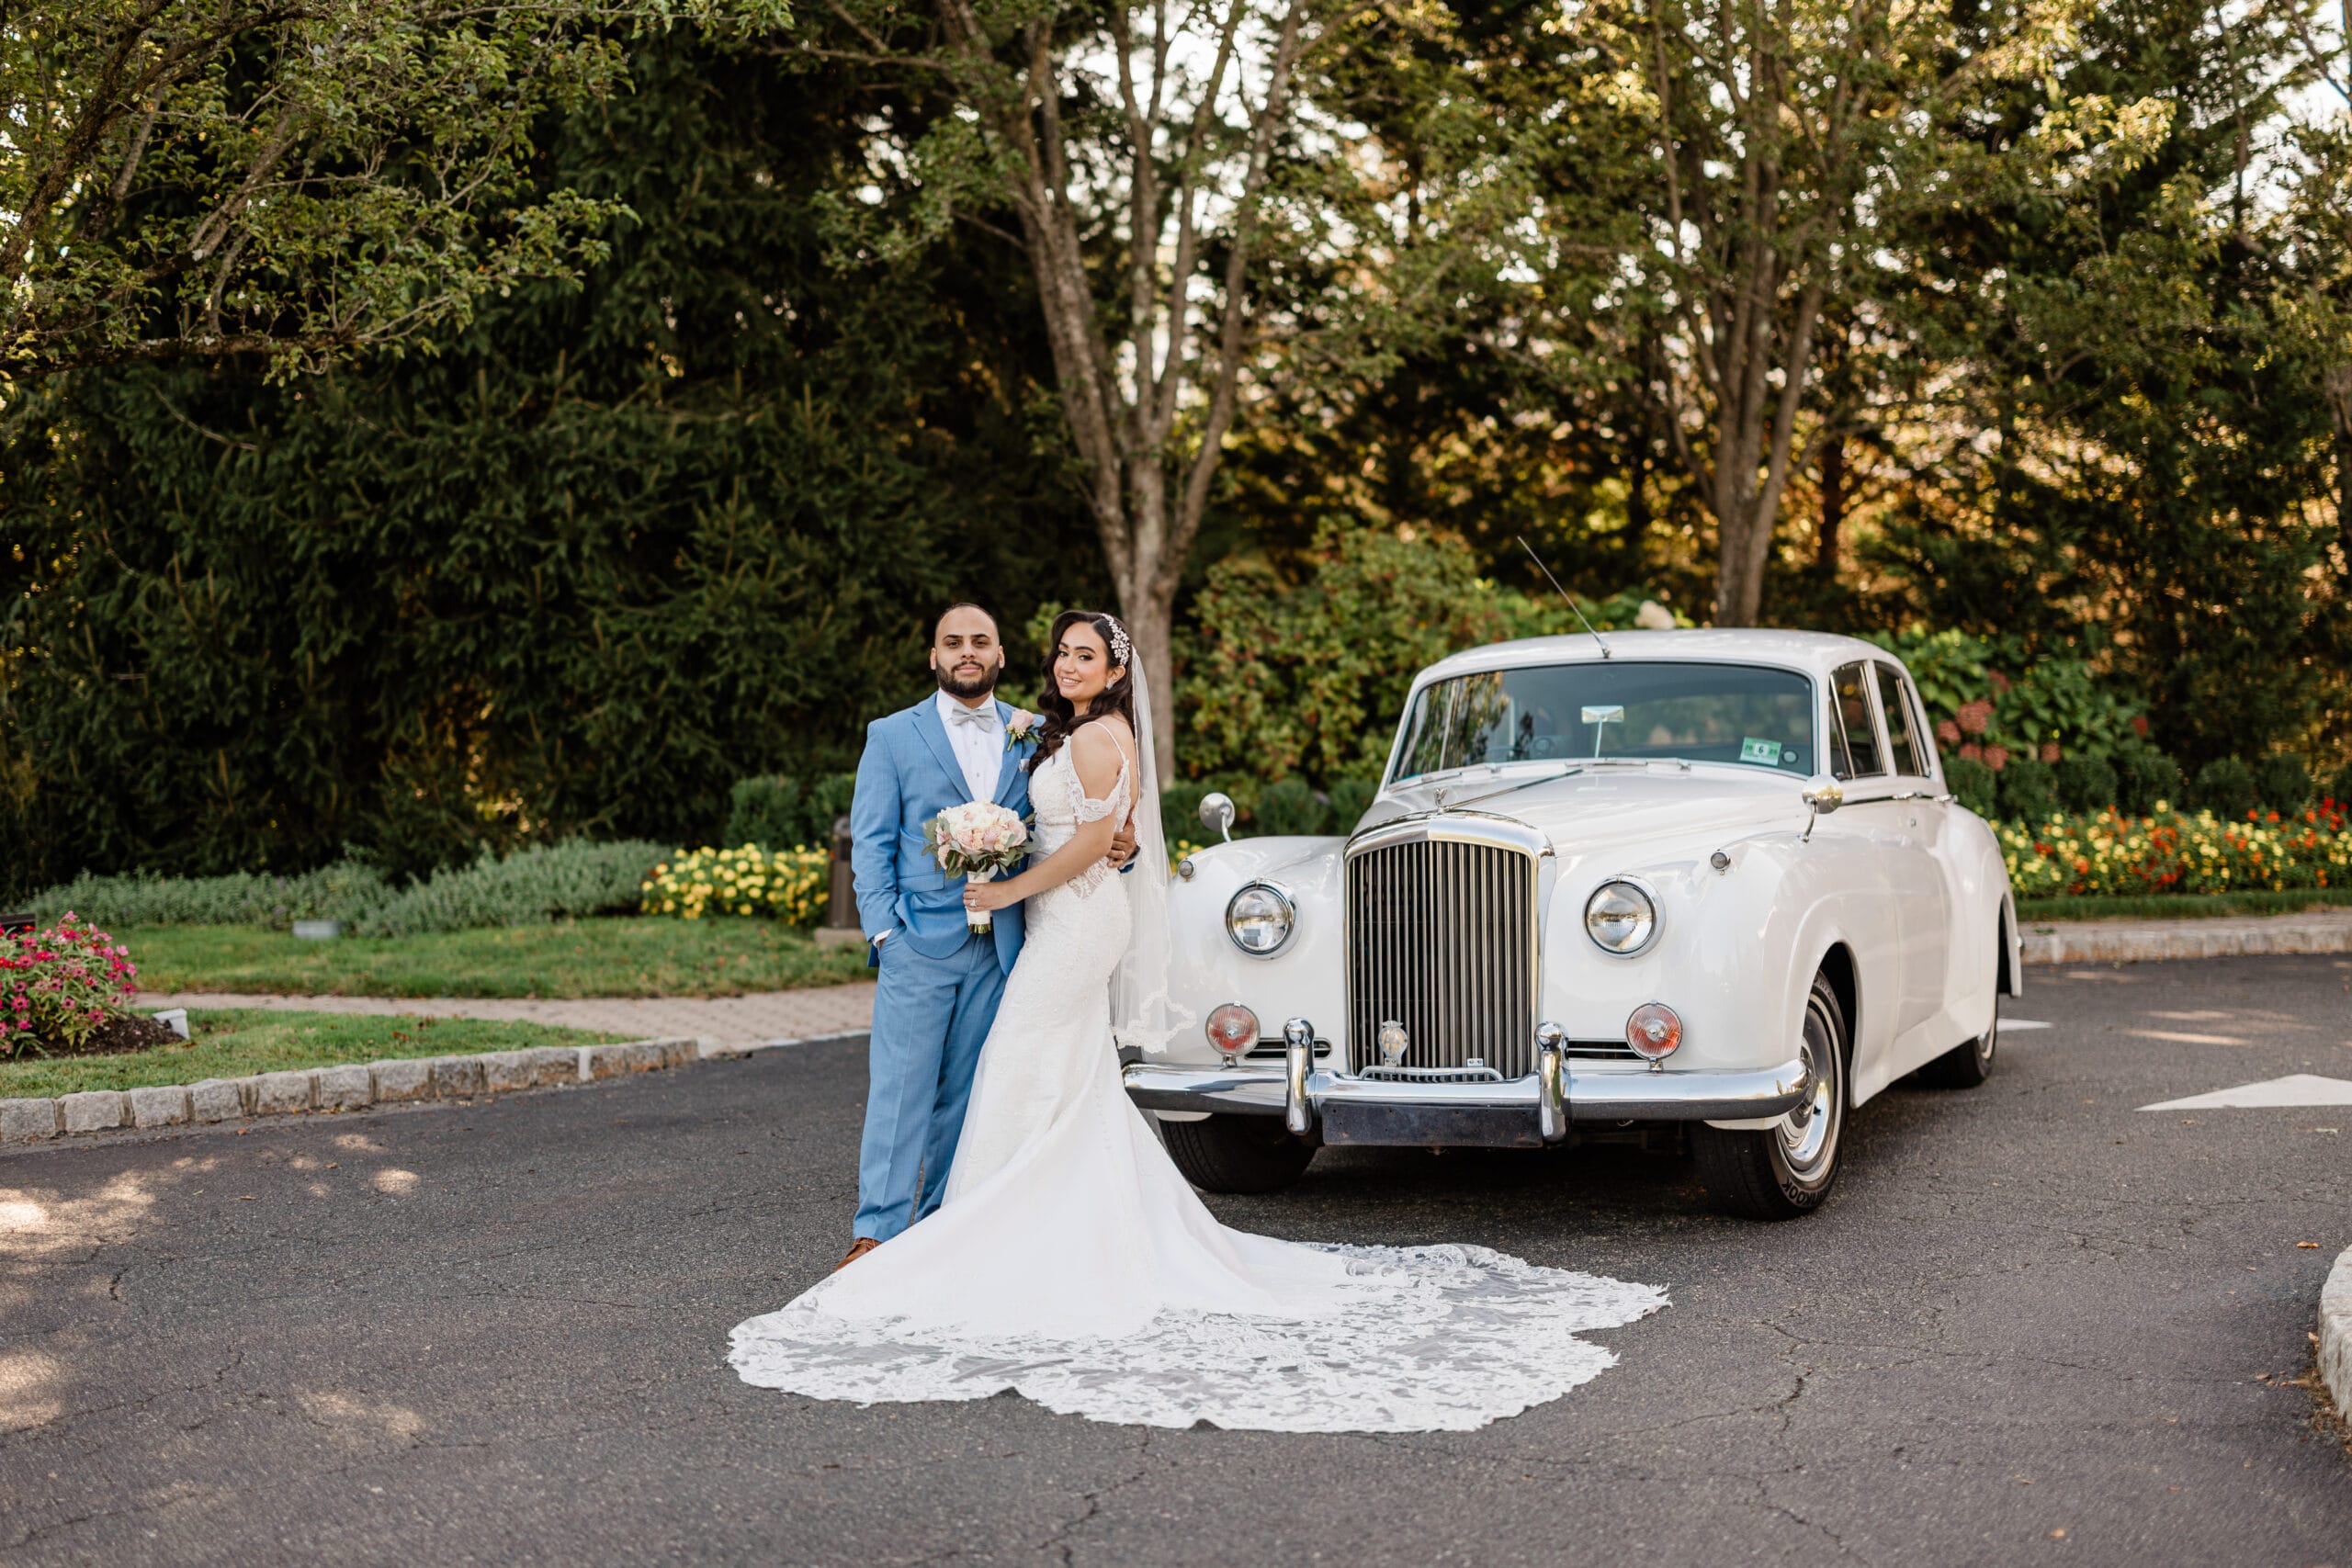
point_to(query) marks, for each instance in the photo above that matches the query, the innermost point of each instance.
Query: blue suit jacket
(908, 775)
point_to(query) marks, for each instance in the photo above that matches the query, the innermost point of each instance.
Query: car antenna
(1563, 594)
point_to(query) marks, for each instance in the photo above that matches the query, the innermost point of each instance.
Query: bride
(1070, 1261)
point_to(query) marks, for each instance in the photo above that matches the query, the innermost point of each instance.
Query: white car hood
(1615, 808)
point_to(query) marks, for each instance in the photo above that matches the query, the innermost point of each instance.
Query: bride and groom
(1019, 1225)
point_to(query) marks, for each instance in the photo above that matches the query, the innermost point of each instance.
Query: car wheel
(1236, 1153)
(1785, 1171)
(1968, 1064)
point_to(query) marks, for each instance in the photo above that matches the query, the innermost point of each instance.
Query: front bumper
(1520, 1113)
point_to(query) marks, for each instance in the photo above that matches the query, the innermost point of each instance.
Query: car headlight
(1620, 916)
(1258, 920)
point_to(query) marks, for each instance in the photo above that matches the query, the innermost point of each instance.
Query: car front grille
(1441, 938)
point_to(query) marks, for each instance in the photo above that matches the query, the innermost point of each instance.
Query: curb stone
(2335, 1334)
(2139, 942)
(92, 1110)
(166, 1107)
(356, 1086)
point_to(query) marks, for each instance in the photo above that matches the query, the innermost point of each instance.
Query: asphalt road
(2033, 1323)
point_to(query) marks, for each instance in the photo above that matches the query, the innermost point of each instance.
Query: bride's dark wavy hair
(1062, 717)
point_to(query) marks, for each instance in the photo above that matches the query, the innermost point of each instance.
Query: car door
(1924, 893)
(1873, 889)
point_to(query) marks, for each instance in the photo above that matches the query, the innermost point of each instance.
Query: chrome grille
(1441, 939)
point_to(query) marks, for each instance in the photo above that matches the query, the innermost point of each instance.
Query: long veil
(1143, 1017)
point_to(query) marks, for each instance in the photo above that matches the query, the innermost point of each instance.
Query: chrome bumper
(1518, 1113)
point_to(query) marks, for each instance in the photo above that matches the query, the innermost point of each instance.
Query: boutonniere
(1019, 729)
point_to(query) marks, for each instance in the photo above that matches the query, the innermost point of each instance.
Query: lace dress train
(1070, 1259)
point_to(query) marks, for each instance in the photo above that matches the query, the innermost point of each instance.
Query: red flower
(1947, 732)
(2140, 726)
(2050, 750)
(1997, 757)
(1973, 716)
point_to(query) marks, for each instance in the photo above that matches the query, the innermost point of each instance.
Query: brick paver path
(722, 1021)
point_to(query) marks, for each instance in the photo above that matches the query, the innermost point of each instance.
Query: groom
(940, 983)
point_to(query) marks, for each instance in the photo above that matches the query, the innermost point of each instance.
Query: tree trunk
(1833, 506)
(2337, 384)
(1151, 621)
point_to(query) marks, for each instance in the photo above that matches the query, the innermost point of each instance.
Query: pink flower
(1974, 716)
(1997, 757)
(2050, 750)
(1947, 732)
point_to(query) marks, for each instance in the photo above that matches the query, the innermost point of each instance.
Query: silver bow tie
(982, 717)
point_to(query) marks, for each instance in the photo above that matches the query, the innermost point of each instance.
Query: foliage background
(627, 545)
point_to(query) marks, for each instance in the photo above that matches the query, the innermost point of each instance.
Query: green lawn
(623, 956)
(2181, 905)
(233, 1042)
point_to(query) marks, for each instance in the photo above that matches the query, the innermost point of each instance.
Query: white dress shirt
(980, 748)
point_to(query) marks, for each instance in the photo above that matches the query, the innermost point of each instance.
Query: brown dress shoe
(858, 1249)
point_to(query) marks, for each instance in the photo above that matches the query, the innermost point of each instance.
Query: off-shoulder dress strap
(1091, 809)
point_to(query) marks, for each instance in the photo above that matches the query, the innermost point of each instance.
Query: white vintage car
(1704, 885)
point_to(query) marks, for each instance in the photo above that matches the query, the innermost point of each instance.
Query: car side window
(1901, 728)
(1864, 755)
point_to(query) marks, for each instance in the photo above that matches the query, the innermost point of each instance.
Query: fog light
(1653, 1031)
(1232, 1029)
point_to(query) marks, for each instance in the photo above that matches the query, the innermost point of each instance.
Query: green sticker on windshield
(1765, 751)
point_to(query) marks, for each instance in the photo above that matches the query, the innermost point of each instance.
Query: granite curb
(2335, 1334)
(361, 1086)
(2139, 942)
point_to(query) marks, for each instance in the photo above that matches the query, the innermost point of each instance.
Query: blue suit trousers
(931, 1017)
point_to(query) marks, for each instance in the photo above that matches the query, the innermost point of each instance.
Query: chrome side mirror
(1216, 814)
(1822, 796)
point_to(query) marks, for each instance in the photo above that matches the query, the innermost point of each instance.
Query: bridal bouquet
(975, 840)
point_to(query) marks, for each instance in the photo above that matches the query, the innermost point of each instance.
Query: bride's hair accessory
(1123, 649)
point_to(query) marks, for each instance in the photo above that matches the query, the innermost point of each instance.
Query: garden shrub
(2174, 851)
(1288, 806)
(2282, 781)
(1974, 785)
(1306, 673)
(1179, 812)
(59, 985)
(765, 809)
(793, 886)
(344, 891)
(2225, 787)
(2029, 790)
(2339, 789)
(2086, 783)
(546, 881)
(1350, 799)
(782, 811)
(2144, 777)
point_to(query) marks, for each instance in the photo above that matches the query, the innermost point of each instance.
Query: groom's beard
(980, 685)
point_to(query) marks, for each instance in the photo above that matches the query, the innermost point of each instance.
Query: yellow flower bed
(2172, 852)
(792, 886)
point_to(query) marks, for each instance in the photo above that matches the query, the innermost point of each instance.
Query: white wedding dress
(1070, 1261)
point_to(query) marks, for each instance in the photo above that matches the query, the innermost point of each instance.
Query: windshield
(1697, 713)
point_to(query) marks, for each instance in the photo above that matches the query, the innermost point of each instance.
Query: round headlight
(1258, 920)
(1232, 1029)
(1620, 916)
(1655, 1030)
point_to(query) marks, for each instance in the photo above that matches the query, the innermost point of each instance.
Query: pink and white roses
(975, 840)
(1021, 728)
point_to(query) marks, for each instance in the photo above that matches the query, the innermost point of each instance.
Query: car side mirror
(1822, 796)
(1216, 814)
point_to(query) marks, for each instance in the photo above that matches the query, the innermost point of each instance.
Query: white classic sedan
(1704, 885)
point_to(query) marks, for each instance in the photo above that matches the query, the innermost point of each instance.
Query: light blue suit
(940, 984)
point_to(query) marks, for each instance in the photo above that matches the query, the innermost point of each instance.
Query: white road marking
(2295, 1089)
(2008, 1023)
(2180, 1039)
